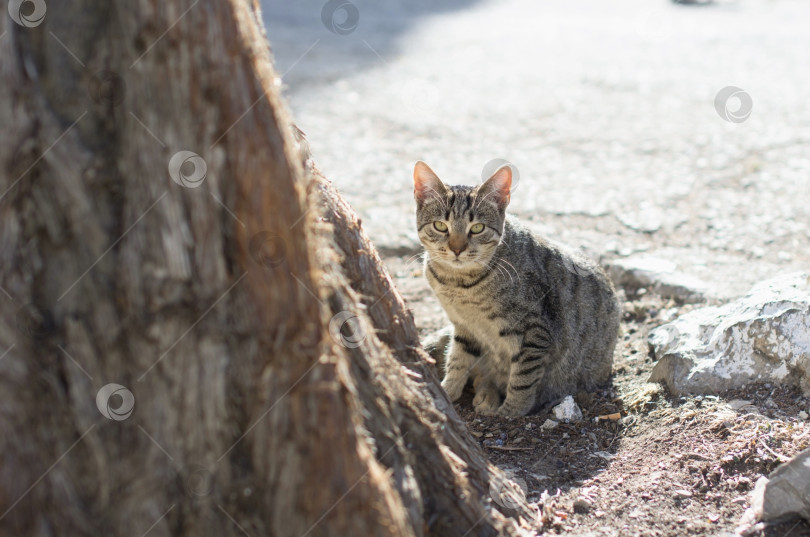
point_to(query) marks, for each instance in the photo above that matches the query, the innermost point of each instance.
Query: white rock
(660, 275)
(764, 336)
(567, 410)
(549, 424)
(803, 415)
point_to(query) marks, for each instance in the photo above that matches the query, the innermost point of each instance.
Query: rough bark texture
(212, 305)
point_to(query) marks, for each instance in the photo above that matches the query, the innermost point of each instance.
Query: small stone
(803, 415)
(737, 404)
(785, 492)
(643, 272)
(567, 410)
(549, 424)
(582, 506)
(681, 494)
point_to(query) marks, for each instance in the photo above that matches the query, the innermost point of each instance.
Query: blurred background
(638, 127)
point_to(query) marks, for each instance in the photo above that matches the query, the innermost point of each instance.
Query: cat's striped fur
(532, 322)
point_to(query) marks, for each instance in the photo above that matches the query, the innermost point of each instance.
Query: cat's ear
(498, 187)
(426, 184)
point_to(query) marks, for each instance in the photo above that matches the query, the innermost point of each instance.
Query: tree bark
(278, 383)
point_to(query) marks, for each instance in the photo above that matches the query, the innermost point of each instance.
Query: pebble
(681, 494)
(549, 424)
(803, 415)
(568, 410)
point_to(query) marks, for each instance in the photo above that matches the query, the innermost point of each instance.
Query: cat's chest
(478, 314)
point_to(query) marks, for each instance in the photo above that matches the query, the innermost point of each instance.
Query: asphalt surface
(607, 109)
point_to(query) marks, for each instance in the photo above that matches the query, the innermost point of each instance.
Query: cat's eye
(440, 226)
(477, 228)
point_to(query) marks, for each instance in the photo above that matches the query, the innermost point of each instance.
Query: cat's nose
(457, 249)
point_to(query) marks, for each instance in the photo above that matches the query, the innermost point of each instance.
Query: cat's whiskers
(414, 258)
(508, 273)
(503, 260)
(489, 265)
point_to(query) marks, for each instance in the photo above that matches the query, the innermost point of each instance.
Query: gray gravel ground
(606, 108)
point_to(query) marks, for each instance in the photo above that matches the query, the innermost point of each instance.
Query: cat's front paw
(453, 387)
(486, 401)
(510, 410)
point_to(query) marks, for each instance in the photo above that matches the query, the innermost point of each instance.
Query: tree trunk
(276, 375)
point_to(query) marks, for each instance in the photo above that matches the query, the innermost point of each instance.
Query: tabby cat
(531, 321)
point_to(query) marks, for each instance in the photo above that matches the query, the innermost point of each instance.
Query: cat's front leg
(525, 373)
(464, 352)
(487, 399)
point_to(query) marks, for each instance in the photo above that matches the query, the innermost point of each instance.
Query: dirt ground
(668, 466)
